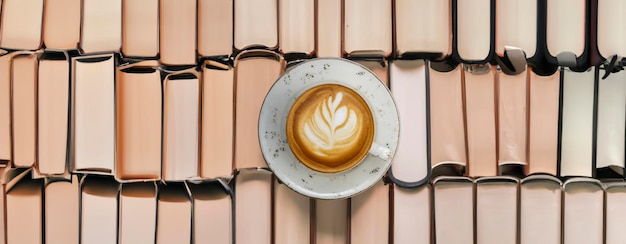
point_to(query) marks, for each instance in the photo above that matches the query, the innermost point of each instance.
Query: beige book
(412, 217)
(543, 123)
(540, 210)
(583, 206)
(256, 24)
(253, 206)
(615, 213)
(565, 26)
(255, 73)
(480, 112)
(174, 214)
(53, 90)
(140, 28)
(367, 27)
(416, 35)
(379, 67)
(98, 210)
(24, 108)
(177, 32)
(512, 120)
(577, 123)
(215, 27)
(217, 120)
(611, 119)
(292, 215)
(332, 221)
(212, 213)
(93, 114)
(408, 85)
(138, 122)
(62, 208)
(24, 210)
(516, 25)
(137, 212)
(611, 35)
(369, 215)
(296, 26)
(181, 108)
(5, 106)
(21, 24)
(447, 127)
(328, 28)
(473, 29)
(454, 210)
(61, 24)
(101, 26)
(496, 210)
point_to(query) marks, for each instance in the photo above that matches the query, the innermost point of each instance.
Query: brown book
(177, 32)
(61, 24)
(138, 122)
(255, 73)
(256, 24)
(611, 133)
(610, 34)
(174, 214)
(565, 26)
(516, 26)
(332, 221)
(496, 210)
(414, 35)
(473, 33)
(512, 94)
(137, 212)
(615, 212)
(21, 24)
(53, 93)
(101, 26)
(292, 215)
(454, 209)
(328, 28)
(93, 114)
(253, 206)
(369, 215)
(212, 213)
(24, 104)
(215, 27)
(540, 210)
(367, 28)
(5, 107)
(583, 211)
(543, 123)
(24, 210)
(98, 210)
(181, 108)
(296, 26)
(140, 28)
(62, 208)
(412, 218)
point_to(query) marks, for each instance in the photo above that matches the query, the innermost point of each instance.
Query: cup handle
(380, 151)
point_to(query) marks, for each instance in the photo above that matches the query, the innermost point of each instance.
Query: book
(62, 209)
(215, 27)
(24, 110)
(253, 206)
(212, 212)
(61, 24)
(332, 221)
(140, 28)
(24, 210)
(473, 31)
(412, 215)
(367, 28)
(512, 109)
(137, 212)
(174, 214)
(369, 215)
(610, 34)
(328, 28)
(540, 209)
(256, 24)
(453, 202)
(516, 26)
(379, 67)
(565, 27)
(615, 212)
(543, 123)
(610, 130)
(583, 211)
(21, 24)
(414, 36)
(296, 28)
(101, 26)
(177, 32)
(98, 210)
(292, 215)
(496, 209)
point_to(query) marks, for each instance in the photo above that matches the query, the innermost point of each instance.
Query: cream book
(512, 95)
(332, 221)
(98, 210)
(255, 73)
(212, 212)
(611, 133)
(369, 215)
(21, 24)
(565, 26)
(93, 114)
(24, 210)
(583, 211)
(611, 35)
(516, 26)
(577, 115)
(615, 213)
(540, 210)
(292, 215)
(53, 94)
(496, 210)
(140, 28)
(367, 28)
(137, 212)
(328, 28)
(453, 210)
(410, 165)
(174, 214)
(101, 26)
(296, 34)
(177, 32)
(218, 108)
(138, 122)
(253, 206)
(423, 27)
(62, 209)
(473, 29)
(412, 218)
(24, 110)
(61, 24)
(543, 123)
(256, 24)
(448, 154)
(215, 27)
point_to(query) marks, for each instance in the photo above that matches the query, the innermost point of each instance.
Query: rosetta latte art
(331, 125)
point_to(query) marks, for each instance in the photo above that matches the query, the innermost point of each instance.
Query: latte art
(331, 125)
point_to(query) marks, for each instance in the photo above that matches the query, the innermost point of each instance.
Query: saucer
(275, 145)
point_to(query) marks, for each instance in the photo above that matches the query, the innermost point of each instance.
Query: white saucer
(273, 119)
